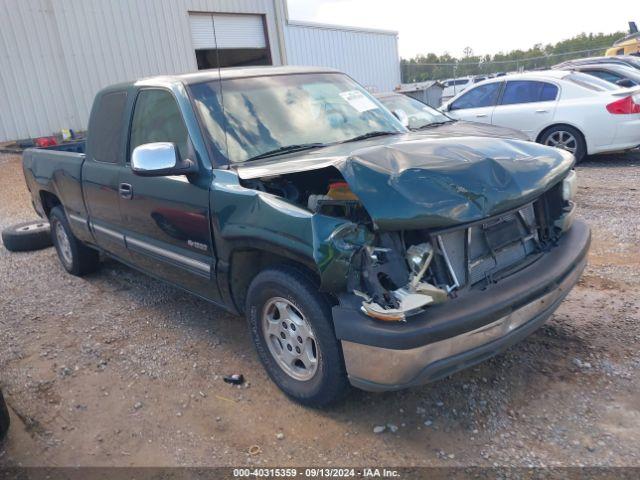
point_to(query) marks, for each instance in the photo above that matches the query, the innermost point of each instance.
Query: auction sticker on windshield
(357, 100)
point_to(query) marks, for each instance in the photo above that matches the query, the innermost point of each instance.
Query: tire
(27, 236)
(567, 138)
(77, 258)
(308, 317)
(4, 418)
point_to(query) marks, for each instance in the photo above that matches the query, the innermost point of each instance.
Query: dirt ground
(119, 369)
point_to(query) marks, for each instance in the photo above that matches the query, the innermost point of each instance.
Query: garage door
(227, 40)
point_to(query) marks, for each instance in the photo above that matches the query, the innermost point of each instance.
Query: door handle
(542, 110)
(126, 191)
(481, 115)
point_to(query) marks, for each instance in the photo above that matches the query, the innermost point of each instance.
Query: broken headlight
(570, 186)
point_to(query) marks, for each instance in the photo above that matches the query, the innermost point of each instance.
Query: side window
(107, 126)
(157, 118)
(523, 91)
(482, 96)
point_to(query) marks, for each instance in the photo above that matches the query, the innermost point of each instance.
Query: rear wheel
(566, 138)
(292, 330)
(77, 258)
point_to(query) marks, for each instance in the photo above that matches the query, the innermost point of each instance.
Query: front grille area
(489, 250)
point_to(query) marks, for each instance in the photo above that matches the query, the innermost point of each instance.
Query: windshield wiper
(434, 124)
(287, 149)
(369, 135)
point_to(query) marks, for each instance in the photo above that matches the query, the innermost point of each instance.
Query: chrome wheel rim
(64, 246)
(564, 140)
(290, 339)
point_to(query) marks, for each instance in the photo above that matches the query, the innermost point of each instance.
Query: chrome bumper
(377, 369)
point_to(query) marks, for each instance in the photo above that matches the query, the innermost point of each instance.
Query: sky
(487, 26)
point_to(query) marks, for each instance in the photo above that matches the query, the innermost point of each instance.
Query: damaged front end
(411, 223)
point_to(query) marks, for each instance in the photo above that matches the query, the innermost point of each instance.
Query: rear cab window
(107, 128)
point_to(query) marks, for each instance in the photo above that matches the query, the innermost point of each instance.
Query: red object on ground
(46, 142)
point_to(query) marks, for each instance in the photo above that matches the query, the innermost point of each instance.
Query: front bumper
(457, 334)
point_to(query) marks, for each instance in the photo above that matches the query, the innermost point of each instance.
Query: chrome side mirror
(402, 116)
(159, 159)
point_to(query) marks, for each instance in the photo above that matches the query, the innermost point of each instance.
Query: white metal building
(56, 54)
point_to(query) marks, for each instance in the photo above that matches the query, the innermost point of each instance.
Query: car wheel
(27, 236)
(77, 258)
(292, 330)
(4, 418)
(566, 138)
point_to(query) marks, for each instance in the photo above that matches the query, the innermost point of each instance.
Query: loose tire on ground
(4, 418)
(567, 138)
(27, 236)
(77, 258)
(291, 325)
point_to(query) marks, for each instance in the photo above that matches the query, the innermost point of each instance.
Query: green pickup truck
(360, 253)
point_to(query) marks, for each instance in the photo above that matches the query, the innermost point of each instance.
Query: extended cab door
(101, 171)
(477, 104)
(526, 105)
(166, 218)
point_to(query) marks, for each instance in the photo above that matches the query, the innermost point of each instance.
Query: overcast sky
(487, 26)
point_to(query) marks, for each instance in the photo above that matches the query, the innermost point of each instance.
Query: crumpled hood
(412, 181)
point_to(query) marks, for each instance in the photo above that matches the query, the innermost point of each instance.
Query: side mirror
(402, 116)
(626, 83)
(159, 159)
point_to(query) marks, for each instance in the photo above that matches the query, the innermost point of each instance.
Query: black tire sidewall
(581, 150)
(17, 240)
(4, 418)
(328, 383)
(57, 216)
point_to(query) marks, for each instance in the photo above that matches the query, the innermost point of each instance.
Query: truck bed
(57, 170)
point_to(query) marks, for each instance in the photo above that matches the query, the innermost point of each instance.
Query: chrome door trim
(168, 255)
(112, 234)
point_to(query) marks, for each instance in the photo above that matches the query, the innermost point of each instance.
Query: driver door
(166, 218)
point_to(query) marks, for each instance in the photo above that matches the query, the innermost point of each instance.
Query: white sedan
(569, 110)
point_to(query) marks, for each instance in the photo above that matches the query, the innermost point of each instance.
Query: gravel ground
(119, 369)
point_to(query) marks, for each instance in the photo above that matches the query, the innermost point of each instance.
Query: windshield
(419, 114)
(280, 113)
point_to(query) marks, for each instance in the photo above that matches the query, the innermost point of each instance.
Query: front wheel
(75, 256)
(567, 138)
(292, 330)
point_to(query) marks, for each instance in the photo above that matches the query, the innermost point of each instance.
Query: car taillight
(625, 106)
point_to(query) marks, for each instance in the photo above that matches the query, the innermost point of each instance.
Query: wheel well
(247, 263)
(49, 200)
(561, 125)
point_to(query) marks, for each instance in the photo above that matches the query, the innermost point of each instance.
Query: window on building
(229, 40)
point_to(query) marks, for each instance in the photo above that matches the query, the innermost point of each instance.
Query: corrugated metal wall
(56, 54)
(348, 50)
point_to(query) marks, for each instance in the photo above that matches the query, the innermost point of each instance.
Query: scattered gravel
(78, 356)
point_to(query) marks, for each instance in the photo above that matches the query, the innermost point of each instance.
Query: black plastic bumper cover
(472, 310)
